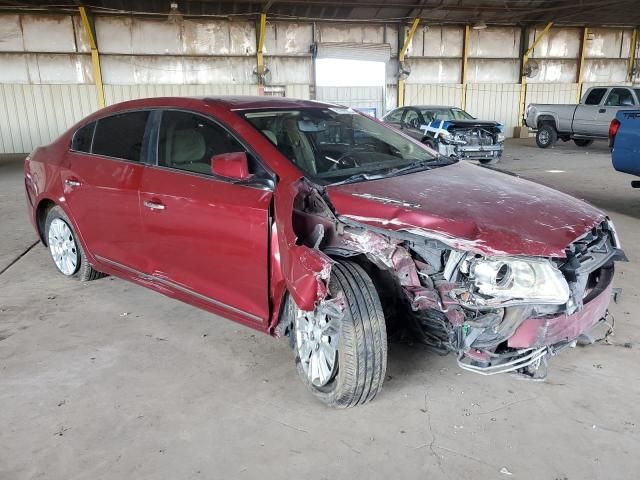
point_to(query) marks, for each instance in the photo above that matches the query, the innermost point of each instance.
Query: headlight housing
(500, 137)
(511, 281)
(448, 137)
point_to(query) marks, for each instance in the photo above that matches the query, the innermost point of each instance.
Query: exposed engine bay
(496, 313)
(466, 139)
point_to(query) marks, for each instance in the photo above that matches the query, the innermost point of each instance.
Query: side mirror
(232, 165)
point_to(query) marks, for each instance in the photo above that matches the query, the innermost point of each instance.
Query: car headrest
(271, 136)
(188, 146)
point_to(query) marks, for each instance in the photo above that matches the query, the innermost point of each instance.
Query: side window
(595, 96)
(620, 97)
(188, 141)
(83, 138)
(395, 116)
(411, 119)
(120, 136)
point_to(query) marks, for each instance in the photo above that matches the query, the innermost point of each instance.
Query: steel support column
(465, 57)
(401, 55)
(523, 78)
(632, 55)
(95, 56)
(583, 43)
(260, 69)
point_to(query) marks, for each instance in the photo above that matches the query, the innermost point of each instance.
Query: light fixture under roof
(480, 25)
(175, 16)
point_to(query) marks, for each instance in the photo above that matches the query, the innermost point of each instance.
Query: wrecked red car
(312, 221)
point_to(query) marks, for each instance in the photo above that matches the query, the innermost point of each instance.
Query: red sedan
(311, 220)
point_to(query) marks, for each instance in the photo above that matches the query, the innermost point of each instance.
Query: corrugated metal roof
(573, 12)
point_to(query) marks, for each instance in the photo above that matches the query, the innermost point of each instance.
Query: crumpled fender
(303, 271)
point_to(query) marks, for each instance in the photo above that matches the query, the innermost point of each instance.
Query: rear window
(120, 136)
(83, 138)
(595, 96)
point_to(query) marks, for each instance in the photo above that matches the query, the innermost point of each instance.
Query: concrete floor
(107, 380)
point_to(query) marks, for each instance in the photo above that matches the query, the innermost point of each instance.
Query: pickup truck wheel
(342, 355)
(582, 142)
(65, 249)
(546, 136)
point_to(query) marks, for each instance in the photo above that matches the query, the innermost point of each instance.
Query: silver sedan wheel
(63, 247)
(317, 345)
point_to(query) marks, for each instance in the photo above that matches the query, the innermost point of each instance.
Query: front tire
(342, 359)
(582, 142)
(65, 249)
(546, 136)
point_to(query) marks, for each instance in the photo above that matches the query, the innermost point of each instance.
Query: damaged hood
(470, 208)
(470, 123)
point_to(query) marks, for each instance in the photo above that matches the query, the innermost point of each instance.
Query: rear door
(206, 236)
(618, 99)
(585, 118)
(101, 186)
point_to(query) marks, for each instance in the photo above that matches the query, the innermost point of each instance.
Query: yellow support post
(401, 54)
(583, 43)
(262, 27)
(632, 55)
(95, 56)
(465, 56)
(523, 78)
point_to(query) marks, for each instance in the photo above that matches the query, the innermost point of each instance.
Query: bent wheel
(341, 352)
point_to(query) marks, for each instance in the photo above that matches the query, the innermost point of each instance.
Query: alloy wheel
(62, 245)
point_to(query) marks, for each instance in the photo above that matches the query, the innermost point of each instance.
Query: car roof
(258, 102)
(427, 107)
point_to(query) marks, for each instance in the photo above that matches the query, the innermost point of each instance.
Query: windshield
(332, 145)
(431, 114)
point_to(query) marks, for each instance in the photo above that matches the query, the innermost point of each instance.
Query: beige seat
(302, 150)
(187, 150)
(271, 136)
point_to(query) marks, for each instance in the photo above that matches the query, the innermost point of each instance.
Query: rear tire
(360, 339)
(582, 142)
(65, 249)
(546, 136)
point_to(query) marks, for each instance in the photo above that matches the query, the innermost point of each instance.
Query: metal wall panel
(11, 34)
(357, 97)
(434, 70)
(433, 94)
(350, 32)
(437, 41)
(288, 70)
(557, 43)
(604, 71)
(553, 93)
(495, 42)
(288, 38)
(493, 70)
(120, 93)
(48, 33)
(555, 71)
(33, 115)
(497, 101)
(297, 91)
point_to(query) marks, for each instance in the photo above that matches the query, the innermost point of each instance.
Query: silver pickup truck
(582, 123)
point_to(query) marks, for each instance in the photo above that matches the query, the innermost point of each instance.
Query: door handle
(72, 182)
(154, 205)
(602, 110)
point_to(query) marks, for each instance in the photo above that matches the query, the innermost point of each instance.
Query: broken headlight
(500, 137)
(514, 280)
(448, 137)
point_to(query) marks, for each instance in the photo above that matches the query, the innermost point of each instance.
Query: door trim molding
(180, 288)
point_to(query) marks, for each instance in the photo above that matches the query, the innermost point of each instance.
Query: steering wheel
(342, 160)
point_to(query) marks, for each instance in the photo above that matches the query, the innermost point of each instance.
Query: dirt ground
(108, 380)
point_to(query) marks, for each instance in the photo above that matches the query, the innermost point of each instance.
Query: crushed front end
(497, 314)
(469, 140)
